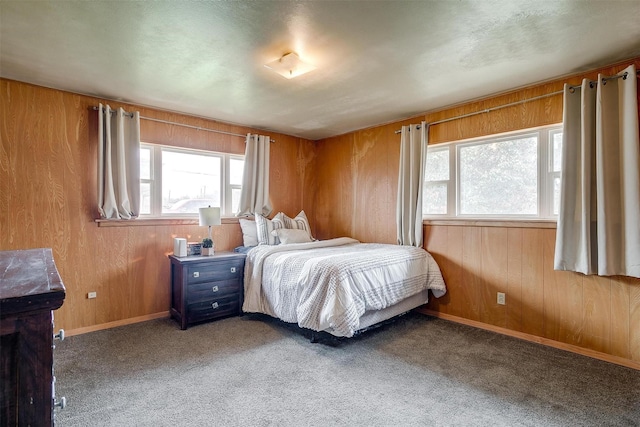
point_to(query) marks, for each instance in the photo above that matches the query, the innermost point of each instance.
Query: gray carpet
(255, 371)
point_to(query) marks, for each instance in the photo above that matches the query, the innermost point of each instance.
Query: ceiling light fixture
(290, 66)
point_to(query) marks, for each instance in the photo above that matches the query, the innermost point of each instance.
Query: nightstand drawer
(213, 308)
(219, 288)
(223, 270)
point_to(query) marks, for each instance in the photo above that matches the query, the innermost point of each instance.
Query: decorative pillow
(287, 236)
(265, 226)
(249, 232)
(300, 222)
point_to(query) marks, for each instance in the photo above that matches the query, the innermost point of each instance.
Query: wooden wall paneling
(454, 265)
(368, 168)
(437, 132)
(7, 125)
(532, 282)
(596, 308)
(634, 317)
(307, 178)
(494, 272)
(116, 286)
(387, 233)
(362, 175)
(291, 167)
(142, 273)
(563, 298)
(472, 281)
(621, 306)
(514, 279)
(26, 170)
(80, 197)
(335, 189)
(436, 243)
(282, 175)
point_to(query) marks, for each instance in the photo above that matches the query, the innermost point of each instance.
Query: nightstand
(205, 288)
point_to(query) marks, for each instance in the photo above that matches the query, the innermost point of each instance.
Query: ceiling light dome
(290, 65)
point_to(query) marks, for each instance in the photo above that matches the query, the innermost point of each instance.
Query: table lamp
(208, 217)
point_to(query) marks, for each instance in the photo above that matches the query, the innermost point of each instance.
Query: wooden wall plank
(532, 282)
(514, 279)
(634, 317)
(453, 274)
(472, 280)
(596, 309)
(563, 298)
(494, 272)
(621, 306)
(436, 242)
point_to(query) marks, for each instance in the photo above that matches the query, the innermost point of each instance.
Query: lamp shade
(210, 216)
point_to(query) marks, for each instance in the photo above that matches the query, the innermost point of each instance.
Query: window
(506, 177)
(177, 182)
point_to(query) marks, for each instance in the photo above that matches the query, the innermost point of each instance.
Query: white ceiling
(377, 61)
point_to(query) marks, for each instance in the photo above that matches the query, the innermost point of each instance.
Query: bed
(339, 286)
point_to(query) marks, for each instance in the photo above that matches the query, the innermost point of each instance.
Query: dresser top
(29, 281)
(219, 256)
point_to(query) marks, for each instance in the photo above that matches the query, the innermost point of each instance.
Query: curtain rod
(594, 83)
(488, 110)
(187, 126)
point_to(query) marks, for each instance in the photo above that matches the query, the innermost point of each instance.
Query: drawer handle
(215, 288)
(196, 274)
(59, 335)
(214, 305)
(233, 269)
(62, 403)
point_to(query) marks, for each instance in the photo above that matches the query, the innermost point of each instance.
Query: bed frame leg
(314, 337)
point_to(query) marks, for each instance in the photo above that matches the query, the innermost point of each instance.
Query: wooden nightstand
(206, 288)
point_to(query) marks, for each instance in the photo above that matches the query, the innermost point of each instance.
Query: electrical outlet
(501, 298)
(92, 295)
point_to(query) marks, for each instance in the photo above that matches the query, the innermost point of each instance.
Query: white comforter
(329, 284)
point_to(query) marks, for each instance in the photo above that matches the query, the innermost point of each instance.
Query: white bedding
(330, 284)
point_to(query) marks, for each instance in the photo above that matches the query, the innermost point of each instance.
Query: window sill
(141, 222)
(529, 223)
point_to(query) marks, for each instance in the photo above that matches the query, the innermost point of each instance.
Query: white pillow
(300, 222)
(287, 236)
(249, 232)
(265, 226)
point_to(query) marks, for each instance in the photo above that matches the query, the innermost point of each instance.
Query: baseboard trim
(533, 338)
(115, 324)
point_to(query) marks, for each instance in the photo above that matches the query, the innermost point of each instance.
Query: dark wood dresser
(30, 289)
(206, 288)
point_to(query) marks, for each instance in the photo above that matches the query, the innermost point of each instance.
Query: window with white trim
(509, 176)
(176, 182)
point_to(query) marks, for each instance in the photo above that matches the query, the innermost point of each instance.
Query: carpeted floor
(255, 371)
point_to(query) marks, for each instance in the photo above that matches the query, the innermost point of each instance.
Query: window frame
(545, 175)
(155, 179)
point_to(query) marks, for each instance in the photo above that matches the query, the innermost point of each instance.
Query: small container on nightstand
(206, 288)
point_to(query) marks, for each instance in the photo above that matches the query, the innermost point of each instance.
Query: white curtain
(254, 198)
(118, 163)
(413, 151)
(599, 220)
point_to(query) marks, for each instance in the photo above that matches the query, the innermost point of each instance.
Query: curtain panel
(599, 220)
(118, 163)
(413, 152)
(254, 197)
